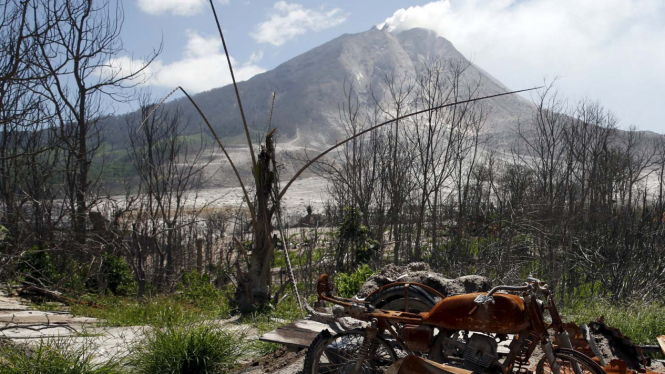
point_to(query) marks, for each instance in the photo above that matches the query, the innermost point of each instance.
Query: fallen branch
(53, 295)
(36, 328)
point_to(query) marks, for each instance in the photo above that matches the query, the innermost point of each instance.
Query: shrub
(348, 285)
(351, 230)
(54, 357)
(119, 275)
(189, 349)
(196, 287)
(37, 263)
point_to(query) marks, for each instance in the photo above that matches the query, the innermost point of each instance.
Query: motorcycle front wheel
(339, 353)
(567, 358)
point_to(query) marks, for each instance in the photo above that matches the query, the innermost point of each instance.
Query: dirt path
(280, 362)
(21, 324)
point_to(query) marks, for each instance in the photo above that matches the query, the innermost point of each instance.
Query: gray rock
(420, 272)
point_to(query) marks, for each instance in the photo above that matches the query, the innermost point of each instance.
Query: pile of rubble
(613, 350)
(420, 272)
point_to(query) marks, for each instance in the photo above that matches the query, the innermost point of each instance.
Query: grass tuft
(55, 356)
(187, 349)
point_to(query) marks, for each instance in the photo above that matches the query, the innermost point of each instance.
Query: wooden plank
(44, 319)
(290, 337)
(661, 342)
(300, 333)
(11, 306)
(312, 326)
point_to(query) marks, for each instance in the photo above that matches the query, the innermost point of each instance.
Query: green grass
(56, 356)
(197, 300)
(187, 349)
(159, 311)
(641, 321)
(297, 258)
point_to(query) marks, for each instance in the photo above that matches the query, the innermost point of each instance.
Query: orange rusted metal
(401, 317)
(323, 285)
(505, 316)
(413, 364)
(418, 337)
(617, 366)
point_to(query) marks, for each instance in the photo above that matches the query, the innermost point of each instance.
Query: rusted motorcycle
(460, 334)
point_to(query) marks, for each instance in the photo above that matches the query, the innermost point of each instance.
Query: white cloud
(202, 67)
(288, 20)
(610, 50)
(176, 7)
(256, 57)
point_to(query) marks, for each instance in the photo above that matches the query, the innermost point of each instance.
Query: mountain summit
(309, 87)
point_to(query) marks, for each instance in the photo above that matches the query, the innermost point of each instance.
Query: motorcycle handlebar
(507, 288)
(487, 299)
(531, 281)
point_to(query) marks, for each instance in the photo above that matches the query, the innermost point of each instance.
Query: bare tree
(393, 105)
(170, 171)
(77, 42)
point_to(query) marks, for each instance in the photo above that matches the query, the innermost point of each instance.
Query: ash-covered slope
(309, 87)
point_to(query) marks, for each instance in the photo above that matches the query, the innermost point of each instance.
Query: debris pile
(613, 350)
(420, 272)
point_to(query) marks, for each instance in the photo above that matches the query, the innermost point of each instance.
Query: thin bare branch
(235, 86)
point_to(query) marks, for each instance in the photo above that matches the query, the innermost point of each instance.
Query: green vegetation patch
(56, 356)
(297, 258)
(348, 285)
(642, 322)
(187, 349)
(196, 300)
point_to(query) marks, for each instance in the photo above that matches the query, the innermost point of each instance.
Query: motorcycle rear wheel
(566, 358)
(392, 298)
(339, 353)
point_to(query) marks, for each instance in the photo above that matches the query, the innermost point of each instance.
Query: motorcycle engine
(480, 353)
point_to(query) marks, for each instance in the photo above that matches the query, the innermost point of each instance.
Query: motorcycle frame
(535, 333)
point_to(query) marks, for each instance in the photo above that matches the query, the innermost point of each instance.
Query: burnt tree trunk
(253, 291)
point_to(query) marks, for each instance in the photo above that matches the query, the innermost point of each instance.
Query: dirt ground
(280, 362)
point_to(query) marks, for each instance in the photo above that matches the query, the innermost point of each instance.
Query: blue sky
(612, 51)
(240, 19)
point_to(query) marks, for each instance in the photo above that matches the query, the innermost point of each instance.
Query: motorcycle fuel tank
(505, 316)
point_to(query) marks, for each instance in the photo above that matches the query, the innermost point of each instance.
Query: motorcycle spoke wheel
(339, 354)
